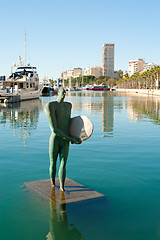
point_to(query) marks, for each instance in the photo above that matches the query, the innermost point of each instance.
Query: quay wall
(149, 92)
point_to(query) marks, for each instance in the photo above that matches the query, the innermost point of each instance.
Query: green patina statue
(59, 113)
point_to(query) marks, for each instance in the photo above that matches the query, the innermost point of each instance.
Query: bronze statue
(59, 113)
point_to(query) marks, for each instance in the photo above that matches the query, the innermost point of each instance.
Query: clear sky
(65, 34)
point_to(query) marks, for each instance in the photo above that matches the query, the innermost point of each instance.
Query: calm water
(120, 160)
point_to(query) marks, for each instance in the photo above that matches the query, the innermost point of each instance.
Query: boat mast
(70, 84)
(25, 48)
(63, 78)
(63, 82)
(82, 77)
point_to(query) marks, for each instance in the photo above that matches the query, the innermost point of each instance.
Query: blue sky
(66, 34)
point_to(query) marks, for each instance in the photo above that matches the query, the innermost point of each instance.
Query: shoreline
(144, 92)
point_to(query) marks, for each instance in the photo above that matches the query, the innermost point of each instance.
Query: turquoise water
(120, 160)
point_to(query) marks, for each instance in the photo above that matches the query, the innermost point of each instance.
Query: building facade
(148, 66)
(108, 60)
(87, 71)
(135, 66)
(78, 72)
(75, 72)
(96, 71)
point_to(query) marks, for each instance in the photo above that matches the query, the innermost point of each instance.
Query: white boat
(23, 81)
(45, 86)
(25, 76)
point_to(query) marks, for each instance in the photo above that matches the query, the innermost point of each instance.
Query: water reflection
(90, 102)
(22, 117)
(144, 107)
(60, 228)
(107, 115)
(139, 107)
(95, 103)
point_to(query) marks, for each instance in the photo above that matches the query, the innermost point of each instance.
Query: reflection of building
(22, 117)
(107, 114)
(94, 103)
(88, 101)
(108, 60)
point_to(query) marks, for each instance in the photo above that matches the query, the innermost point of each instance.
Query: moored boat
(22, 82)
(99, 88)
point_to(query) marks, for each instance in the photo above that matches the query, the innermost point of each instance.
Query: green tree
(111, 82)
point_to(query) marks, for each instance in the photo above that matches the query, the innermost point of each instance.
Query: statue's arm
(53, 123)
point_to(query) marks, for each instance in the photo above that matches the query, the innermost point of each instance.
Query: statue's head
(61, 94)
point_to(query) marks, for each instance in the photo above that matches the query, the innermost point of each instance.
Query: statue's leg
(53, 154)
(63, 160)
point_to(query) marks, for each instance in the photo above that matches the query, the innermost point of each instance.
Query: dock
(74, 192)
(10, 98)
(21, 96)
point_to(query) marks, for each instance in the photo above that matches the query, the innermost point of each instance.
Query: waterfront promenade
(149, 92)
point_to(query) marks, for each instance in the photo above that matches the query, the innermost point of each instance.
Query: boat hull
(98, 89)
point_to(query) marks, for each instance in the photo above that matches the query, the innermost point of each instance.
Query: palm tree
(157, 72)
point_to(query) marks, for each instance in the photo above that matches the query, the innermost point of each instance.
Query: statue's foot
(53, 183)
(62, 187)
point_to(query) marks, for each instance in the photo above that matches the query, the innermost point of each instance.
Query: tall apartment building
(135, 66)
(108, 60)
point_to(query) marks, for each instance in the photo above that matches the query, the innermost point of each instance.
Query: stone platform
(74, 192)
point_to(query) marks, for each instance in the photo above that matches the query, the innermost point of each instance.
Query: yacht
(45, 86)
(23, 81)
(24, 77)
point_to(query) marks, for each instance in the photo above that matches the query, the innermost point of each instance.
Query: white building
(93, 71)
(64, 75)
(135, 66)
(77, 72)
(148, 66)
(108, 60)
(97, 71)
(87, 71)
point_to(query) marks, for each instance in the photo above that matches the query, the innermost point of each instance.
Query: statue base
(74, 192)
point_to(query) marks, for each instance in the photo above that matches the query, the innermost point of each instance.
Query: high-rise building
(108, 60)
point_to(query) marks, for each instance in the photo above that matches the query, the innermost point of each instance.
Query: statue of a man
(59, 113)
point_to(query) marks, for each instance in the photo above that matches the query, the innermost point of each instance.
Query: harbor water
(121, 160)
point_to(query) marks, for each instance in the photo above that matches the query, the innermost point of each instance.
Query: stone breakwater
(149, 92)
